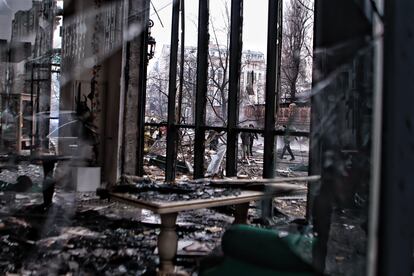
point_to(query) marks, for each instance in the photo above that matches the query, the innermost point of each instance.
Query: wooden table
(168, 211)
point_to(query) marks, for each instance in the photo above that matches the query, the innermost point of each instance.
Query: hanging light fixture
(151, 47)
(151, 41)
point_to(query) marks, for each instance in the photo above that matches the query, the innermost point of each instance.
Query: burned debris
(182, 191)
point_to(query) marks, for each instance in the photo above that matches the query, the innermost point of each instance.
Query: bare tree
(189, 85)
(218, 75)
(218, 57)
(296, 46)
(157, 97)
(219, 61)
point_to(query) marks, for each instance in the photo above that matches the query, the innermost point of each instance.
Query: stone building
(253, 75)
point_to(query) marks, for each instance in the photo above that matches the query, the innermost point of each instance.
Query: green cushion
(268, 248)
(232, 266)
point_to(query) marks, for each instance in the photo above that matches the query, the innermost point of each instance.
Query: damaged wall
(100, 75)
(135, 79)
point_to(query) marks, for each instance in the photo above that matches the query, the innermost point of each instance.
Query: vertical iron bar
(316, 113)
(182, 43)
(201, 92)
(142, 84)
(234, 85)
(172, 92)
(279, 54)
(270, 105)
(32, 108)
(271, 84)
(396, 229)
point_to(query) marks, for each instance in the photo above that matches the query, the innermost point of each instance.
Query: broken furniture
(168, 211)
(263, 252)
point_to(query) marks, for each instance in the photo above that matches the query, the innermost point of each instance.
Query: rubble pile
(88, 243)
(215, 164)
(292, 207)
(96, 238)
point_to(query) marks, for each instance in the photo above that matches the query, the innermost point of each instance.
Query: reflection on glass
(9, 124)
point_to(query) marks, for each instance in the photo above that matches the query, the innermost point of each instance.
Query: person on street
(287, 139)
(213, 138)
(245, 137)
(252, 136)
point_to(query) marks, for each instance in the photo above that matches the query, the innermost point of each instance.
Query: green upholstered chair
(254, 251)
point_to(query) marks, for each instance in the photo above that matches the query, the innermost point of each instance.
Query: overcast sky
(254, 22)
(254, 27)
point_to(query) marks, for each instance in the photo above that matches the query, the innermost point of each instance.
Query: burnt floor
(84, 235)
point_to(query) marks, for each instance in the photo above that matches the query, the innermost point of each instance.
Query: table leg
(167, 244)
(240, 214)
(48, 185)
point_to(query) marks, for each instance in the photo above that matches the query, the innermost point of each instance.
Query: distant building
(253, 77)
(252, 80)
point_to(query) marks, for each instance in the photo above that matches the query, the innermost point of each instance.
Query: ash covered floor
(83, 235)
(86, 235)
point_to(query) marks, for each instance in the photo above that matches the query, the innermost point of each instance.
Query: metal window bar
(273, 59)
(271, 89)
(201, 92)
(234, 85)
(172, 134)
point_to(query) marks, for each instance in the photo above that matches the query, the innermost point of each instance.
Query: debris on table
(169, 192)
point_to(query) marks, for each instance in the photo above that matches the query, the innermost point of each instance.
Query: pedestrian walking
(213, 138)
(245, 137)
(252, 136)
(287, 139)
